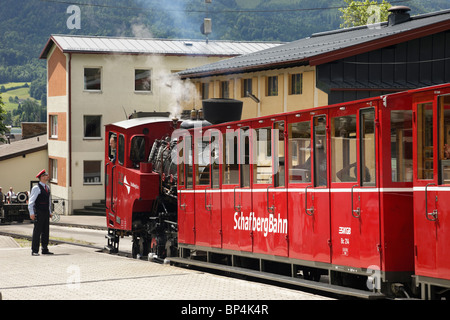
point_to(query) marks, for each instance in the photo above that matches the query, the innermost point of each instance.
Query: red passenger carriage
(431, 110)
(349, 195)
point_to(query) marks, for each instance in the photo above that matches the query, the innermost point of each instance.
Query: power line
(202, 11)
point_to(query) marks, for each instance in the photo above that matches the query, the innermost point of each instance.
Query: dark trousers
(41, 231)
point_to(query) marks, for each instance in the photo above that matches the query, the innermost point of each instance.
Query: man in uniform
(39, 206)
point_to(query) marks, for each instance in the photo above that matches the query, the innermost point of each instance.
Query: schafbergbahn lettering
(265, 225)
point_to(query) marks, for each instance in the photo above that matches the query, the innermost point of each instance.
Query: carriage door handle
(207, 206)
(355, 212)
(238, 207)
(270, 209)
(308, 211)
(431, 216)
(182, 205)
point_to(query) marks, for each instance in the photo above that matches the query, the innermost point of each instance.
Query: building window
(93, 79)
(225, 89)
(246, 87)
(272, 86)
(54, 170)
(296, 83)
(205, 91)
(54, 127)
(142, 80)
(92, 127)
(92, 172)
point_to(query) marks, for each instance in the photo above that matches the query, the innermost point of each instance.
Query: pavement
(83, 273)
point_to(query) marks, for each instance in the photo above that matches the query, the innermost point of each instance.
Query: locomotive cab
(131, 185)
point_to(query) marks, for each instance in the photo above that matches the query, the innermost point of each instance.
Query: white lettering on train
(266, 225)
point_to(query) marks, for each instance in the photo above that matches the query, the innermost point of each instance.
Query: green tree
(361, 13)
(2, 120)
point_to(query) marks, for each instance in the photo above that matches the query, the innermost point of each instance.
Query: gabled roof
(121, 45)
(328, 46)
(22, 147)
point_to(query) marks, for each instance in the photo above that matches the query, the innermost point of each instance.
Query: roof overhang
(379, 43)
(329, 56)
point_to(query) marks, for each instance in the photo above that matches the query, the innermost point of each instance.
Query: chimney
(399, 14)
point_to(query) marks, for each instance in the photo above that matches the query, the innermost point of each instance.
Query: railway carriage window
(112, 147)
(262, 157)
(343, 149)
(244, 134)
(181, 165)
(401, 146)
(425, 141)
(188, 160)
(299, 152)
(320, 151)
(444, 139)
(202, 162)
(279, 153)
(137, 150)
(230, 165)
(215, 174)
(368, 156)
(121, 149)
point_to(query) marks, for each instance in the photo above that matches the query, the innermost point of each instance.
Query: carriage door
(186, 199)
(317, 193)
(236, 192)
(431, 195)
(267, 211)
(277, 195)
(305, 228)
(213, 194)
(207, 224)
(110, 163)
(365, 199)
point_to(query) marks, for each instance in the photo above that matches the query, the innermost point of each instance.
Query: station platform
(82, 273)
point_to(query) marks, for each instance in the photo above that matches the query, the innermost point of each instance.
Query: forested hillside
(25, 25)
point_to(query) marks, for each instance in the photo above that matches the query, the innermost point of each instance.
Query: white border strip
(316, 190)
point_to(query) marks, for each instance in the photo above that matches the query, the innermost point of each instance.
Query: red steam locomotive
(351, 198)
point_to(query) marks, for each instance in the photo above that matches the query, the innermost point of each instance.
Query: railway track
(51, 241)
(19, 233)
